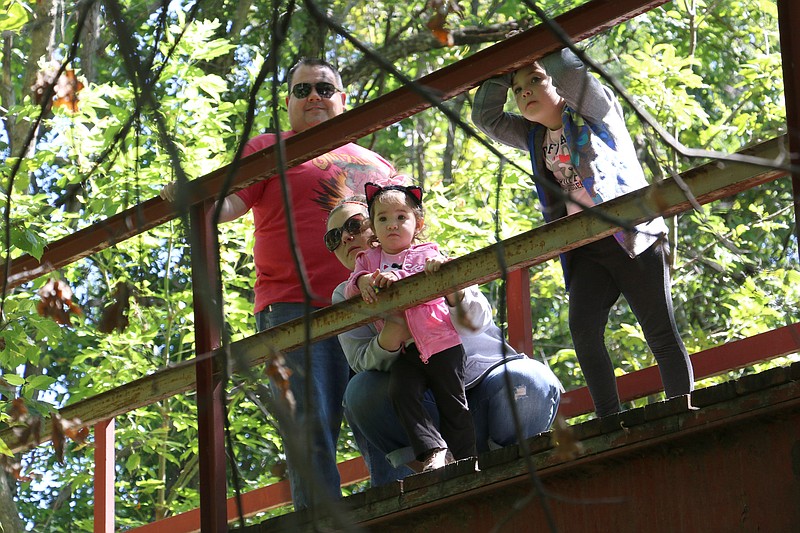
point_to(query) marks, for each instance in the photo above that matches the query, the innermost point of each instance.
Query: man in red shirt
(315, 186)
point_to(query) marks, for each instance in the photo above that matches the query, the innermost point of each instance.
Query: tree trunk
(222, 64)
(9, 517)
(41, 35)
(91, 42)
(418, 150)
(316, 34)
(455, 105)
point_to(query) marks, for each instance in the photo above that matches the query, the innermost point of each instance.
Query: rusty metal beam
(709, 182)
(788, 24)
(580, 23)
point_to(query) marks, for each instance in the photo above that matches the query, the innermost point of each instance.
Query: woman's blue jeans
(535, 391)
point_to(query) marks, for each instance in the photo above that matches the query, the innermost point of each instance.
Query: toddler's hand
(433, 265)
(383, 280)
(368, 293)
(394, 333)
(371, 285)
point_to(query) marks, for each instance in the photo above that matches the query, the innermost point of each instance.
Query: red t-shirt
(314, 188)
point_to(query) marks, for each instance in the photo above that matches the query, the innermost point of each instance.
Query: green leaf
(41, 382)
(150, 483)
(132, 464)
(14, 379)
(213, 49)
(5, 450)
(509, 9)
(13, 16)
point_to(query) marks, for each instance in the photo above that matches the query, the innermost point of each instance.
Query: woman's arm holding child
(473, 313)
(365, 348)
(469, 309)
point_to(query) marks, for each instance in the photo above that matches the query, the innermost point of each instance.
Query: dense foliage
(708, 72)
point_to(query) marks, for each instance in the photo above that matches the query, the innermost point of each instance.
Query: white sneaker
(436, 459)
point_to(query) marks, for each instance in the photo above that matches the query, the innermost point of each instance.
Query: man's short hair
(315, 62)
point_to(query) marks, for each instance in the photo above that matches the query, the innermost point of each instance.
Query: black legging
(599, 273)
(443, 374)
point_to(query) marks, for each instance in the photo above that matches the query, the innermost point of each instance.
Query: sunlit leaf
(13, 15)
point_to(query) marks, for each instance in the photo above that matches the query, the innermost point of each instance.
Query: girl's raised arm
(489, 116)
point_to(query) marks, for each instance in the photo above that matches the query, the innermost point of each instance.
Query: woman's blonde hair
(356, 199)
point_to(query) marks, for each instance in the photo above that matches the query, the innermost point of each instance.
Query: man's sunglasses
(353, 226)
(323, 88)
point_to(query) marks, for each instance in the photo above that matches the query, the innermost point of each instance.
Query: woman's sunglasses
(323, 88)
(353, 226)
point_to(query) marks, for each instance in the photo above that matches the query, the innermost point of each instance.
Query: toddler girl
(433, 358)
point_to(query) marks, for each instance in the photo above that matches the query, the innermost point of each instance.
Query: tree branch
(422, 42)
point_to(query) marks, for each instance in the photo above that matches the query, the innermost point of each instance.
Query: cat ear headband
(412, 191)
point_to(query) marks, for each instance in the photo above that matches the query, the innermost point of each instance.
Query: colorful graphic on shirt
(347, 176)
(557, 159)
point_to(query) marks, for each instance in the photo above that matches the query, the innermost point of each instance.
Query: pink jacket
(429, 323)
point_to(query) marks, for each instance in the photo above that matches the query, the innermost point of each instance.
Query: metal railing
(708, 183)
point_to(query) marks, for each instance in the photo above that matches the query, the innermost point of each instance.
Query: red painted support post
(518, 303)
(788, 24)
(210, 422)
(104, 476)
